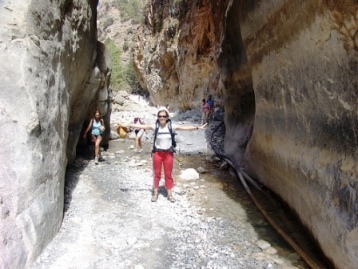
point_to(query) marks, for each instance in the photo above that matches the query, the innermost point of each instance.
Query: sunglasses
(162, 116)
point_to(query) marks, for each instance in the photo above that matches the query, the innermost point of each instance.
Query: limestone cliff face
(176, 51)
(52, 74)
(286, 74)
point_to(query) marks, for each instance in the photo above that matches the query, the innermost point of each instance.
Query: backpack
(139, 120)
(211, 103)
(169, 123)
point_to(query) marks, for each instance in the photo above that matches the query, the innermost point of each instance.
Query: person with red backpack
(163, 150)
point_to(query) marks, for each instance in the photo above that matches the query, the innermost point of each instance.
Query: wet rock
(201, 170)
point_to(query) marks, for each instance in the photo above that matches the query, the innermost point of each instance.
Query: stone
(201, 170)
(189, 174)
(114, 135)
(118, 99)
(263, 244)
(271, 250)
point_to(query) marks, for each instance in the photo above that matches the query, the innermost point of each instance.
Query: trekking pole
(178, 161)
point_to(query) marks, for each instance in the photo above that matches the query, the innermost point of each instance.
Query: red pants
(165, 158)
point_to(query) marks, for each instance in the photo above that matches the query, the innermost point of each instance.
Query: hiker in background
(205, 108)
(97, 128)
(138, 135)
(163, 150)
(211, 103)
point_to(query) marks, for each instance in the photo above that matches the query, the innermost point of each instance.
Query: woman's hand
(191, 127)
(202, 127)
(139, 126)
(126, 125)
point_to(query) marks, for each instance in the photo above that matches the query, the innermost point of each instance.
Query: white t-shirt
(164, 139)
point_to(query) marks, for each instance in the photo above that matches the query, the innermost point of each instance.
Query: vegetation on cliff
(117, 20)
(130, 10)
(123, 75)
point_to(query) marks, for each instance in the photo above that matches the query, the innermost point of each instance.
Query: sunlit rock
(53, 72)
(285, 73)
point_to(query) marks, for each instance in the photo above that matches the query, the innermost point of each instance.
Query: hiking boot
(154, 197)
(171, 198)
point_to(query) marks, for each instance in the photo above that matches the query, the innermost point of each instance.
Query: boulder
(189, 174)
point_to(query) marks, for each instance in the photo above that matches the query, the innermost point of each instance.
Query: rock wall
(285, 73)
(304, 144)
(176, 51)
(51, 76)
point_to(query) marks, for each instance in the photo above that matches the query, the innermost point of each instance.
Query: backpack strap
(155, 134)
(174, 143)
(169, 122)
(100, 119)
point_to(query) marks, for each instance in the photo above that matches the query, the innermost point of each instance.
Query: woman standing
(138, 135)
(97, 128)
(163, 154)
(205, 108)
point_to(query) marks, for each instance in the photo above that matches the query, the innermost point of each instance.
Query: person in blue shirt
(97, 127)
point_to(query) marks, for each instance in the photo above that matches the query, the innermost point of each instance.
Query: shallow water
(226, 196)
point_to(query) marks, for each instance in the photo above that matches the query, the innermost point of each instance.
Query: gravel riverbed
(110, 222)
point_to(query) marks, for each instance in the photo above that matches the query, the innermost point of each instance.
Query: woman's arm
(141, 126)
(191, 127)
(88, 128)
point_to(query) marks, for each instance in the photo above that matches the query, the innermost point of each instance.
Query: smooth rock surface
(51, 69)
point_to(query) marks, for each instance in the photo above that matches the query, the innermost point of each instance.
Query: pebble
(263, 244)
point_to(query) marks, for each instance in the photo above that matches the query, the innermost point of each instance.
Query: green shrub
(118, 71)
(131, 75)
(108, 22)
(130, 10)
(122, 77)
(125, 46)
